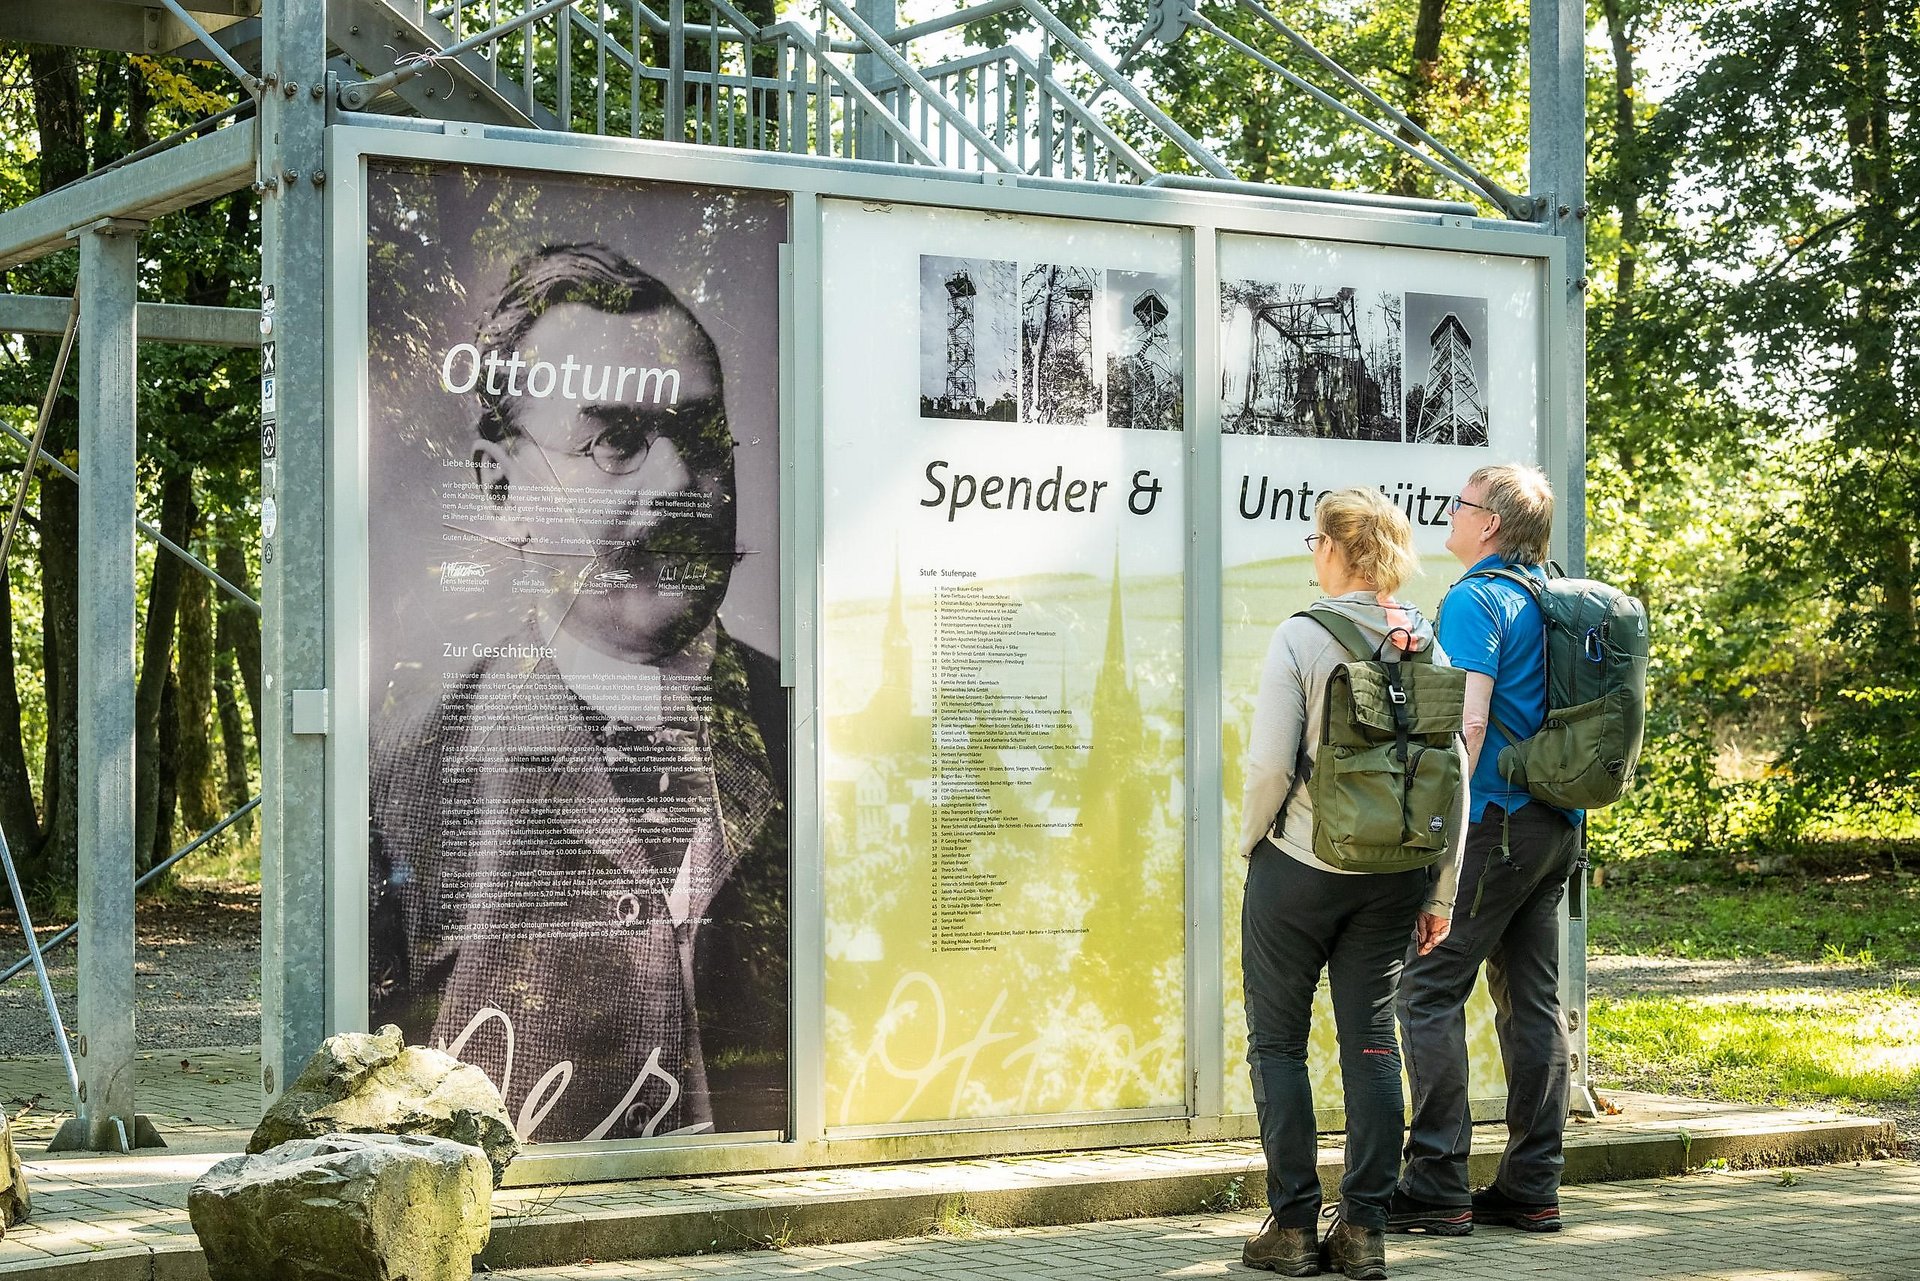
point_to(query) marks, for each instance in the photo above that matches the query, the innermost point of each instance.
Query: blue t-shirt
(1493, 627)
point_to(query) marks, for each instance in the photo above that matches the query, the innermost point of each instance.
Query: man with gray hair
(1519, 854)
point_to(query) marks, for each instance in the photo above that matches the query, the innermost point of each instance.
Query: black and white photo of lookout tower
(968, 339)
(1449, 341)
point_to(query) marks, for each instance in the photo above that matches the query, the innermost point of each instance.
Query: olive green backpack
(1385, 780)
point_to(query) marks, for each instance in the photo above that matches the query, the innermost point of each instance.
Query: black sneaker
(1404, 1214)
(1288, 1251)
(1491, 1205)
(1354, 1252)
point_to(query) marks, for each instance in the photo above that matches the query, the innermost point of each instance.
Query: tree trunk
(1429, 27)
(236, 780)
(239, 627)
(59, 118)
(1627, 184)
(177, 517)
(193, 667)
(18, 817)
(57, 864)
(159, 842)
(1881, 419)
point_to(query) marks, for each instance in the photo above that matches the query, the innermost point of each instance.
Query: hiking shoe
(1355, 1252)
(1404, 1214)
(1288, 1251)
(1491, 1205)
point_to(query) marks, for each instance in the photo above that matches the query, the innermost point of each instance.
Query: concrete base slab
(125, 1216)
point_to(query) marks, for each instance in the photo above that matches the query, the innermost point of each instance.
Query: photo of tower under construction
(1301, 361)
(1447, 358)
(969, 336)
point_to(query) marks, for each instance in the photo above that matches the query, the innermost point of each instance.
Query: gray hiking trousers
(1507, 918)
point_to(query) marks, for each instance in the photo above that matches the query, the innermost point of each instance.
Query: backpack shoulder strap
(1536, 589)
(1519, 578)
(1343, 630)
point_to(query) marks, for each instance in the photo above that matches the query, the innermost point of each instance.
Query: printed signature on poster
(1106, 1057)
(553, 1083)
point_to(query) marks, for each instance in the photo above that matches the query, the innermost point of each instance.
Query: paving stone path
(1855, 1222)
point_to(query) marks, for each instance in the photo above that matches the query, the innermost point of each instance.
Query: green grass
(1858, 1045)
(1859, 918)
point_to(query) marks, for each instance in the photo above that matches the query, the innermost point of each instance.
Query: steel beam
(1558, 175)
(872, 142)
(193, 172)
(154, 321)
(295, 769)
(109, 266)
(107, 24)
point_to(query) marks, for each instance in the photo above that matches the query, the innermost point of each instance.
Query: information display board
(578, 838)
(567, 737)
(1003, 699)
(1343, 365)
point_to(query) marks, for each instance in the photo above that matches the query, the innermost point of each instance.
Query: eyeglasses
(620, 448)
(1314, 541)
(1453, 508)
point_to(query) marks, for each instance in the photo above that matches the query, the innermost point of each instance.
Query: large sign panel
(578, 856)
(1002, 695)
(1347, 365)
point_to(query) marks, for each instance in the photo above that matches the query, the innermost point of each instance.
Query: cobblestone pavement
(1857, 1222)
(203, 1098)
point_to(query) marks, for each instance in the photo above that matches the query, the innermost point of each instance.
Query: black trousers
(1508, 917)
(1295, 921)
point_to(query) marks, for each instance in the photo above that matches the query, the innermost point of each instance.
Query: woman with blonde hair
(1302, 915)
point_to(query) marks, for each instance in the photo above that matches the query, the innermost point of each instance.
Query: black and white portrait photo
(1446, 369)
(578, 869)
(969, 338)
(1310, 361)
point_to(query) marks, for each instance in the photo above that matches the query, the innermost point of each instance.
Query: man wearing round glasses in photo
(579, 848)
(1519, 853)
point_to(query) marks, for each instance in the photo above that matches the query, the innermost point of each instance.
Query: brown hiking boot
(1355, 1252)
(1288, 1251)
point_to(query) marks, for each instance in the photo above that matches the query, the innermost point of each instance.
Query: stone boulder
(375, 1083)
(347, 1207)
(15, 1204)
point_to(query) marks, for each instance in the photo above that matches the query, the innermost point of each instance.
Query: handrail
(902, 68)
(1515, 205)
(357, 94)
(1195, 150)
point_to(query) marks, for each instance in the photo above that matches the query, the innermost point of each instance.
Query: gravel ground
(1621, 976)
(196, 974)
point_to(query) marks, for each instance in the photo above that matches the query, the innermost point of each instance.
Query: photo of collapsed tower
(1322, 365)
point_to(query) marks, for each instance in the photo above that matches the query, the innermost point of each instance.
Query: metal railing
(704, 72)
(714, 76)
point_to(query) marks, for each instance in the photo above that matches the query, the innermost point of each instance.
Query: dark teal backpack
(1596, 641)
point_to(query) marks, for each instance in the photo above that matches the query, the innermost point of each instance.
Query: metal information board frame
(1201, 218)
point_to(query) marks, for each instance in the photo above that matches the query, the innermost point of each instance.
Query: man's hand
(1430, 931)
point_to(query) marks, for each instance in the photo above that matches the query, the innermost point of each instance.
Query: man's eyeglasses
(1453, 508)
(620, 448)
(1314, 541)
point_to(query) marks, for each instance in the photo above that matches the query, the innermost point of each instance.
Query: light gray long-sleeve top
(1286, 730)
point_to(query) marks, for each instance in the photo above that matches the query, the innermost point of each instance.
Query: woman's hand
(1430, 931)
